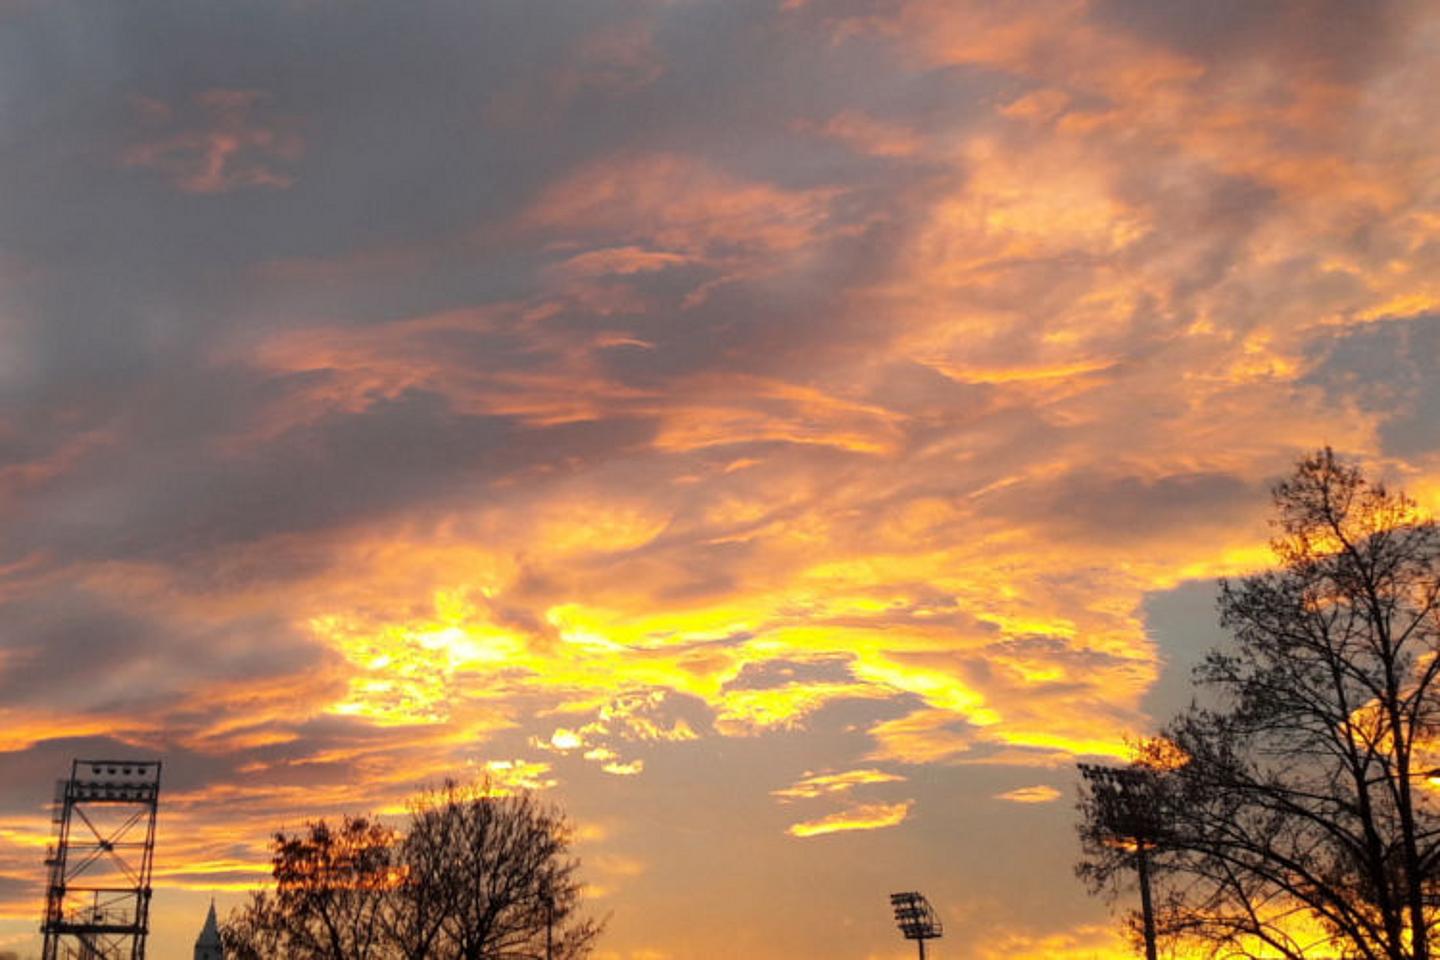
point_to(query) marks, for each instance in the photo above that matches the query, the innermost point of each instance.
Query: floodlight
(1126, 797)
(1127, 803)
(916, 919)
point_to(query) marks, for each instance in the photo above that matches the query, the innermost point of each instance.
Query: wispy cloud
(215, 143)
(1041, 793)
(865, 816)
(822, 784)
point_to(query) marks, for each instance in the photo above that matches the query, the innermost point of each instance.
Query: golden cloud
(814, 785)
(1041, 793)
(865, 816)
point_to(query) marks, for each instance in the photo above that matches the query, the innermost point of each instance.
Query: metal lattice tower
(97, 906)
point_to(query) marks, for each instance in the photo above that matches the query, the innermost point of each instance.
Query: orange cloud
(226, 149)
(866, 134)
(822, 784)
(680, 205)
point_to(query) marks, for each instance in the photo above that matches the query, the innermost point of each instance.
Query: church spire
(208, 945)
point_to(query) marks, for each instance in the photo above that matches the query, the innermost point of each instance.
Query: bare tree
(476, 875)
(499, 865)
(1297, 822)
(415, 914)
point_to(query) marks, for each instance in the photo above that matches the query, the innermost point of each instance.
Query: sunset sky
(787, 433)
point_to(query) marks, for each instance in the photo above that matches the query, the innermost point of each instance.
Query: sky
(788, 434)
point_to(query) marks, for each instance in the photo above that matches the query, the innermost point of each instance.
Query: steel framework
(97, 906)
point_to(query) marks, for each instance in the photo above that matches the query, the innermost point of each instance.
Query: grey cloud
(73, 650)
(142, 280)
(30, 774)
(396, 150)
(182, 499)
(769, 674)
(1332, 37)
(1106, 508)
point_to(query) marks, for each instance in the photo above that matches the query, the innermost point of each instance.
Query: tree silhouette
(331, 887)
(1296, 818)
(488, 877)
(476, 875)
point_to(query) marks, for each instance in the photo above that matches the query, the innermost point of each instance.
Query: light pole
(1125, 797)
(916, 919)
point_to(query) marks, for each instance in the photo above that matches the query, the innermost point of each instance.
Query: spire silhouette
(208, 945)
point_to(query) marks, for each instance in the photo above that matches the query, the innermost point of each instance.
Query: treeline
(473, 875)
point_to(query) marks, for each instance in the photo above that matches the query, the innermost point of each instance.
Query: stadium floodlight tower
(97, 906)
(1128, 801)
(916, 919)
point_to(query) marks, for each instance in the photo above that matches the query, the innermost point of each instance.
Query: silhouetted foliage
(476, 875)
(332, 885)
(1294, 816)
